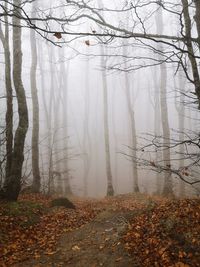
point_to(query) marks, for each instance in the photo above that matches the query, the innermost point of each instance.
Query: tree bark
(35, 105)
(9, 97)
(65, 71)
(86, 136)
(167, 189)
(191, 55)
(197, 19)
(13, 183)
(181, 122)
(110, 190)
(132, 132)
(157, 128)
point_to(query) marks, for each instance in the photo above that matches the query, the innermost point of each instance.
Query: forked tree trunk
(13, 183)
(9, 97)
(35, 105)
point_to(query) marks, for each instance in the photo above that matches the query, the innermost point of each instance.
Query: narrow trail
(98, 243)
(124, 231)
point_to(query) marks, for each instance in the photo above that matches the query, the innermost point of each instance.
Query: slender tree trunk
(110, 190)
(65, 71)
(86, 136)
(181, 121)
(13, 183)
(115, 137)
(50, 110)
(9, 97)
(167, 189)
(35, 105)
(157, 129)
(56, 121)
(132, 127)
(180, 108)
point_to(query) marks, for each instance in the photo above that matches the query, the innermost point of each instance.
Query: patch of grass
(22, 208)
(24, 213)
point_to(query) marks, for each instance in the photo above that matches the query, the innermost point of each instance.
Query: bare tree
(179, 104)
(64, 70)
(131, 114)
(12, 185)
(86, 136)
(35, 105)
(9, 96)
(110, 190)
(167, 189)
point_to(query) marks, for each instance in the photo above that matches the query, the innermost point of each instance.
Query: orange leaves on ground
(167, 234)
(27, 230)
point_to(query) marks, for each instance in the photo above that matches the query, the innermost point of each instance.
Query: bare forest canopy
(99, 97)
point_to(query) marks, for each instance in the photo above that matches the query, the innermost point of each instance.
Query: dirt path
(98, 243)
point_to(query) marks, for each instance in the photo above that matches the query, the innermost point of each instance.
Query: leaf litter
(146, 231)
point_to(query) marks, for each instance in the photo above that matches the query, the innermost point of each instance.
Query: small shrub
(62, 202)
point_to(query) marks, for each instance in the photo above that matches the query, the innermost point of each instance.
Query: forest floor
(126, 230)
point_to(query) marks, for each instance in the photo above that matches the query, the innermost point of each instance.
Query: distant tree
(168, 188)
(35, 130)
(131, 113)
(110, 189)
(64, 70)
(86, 135)
(180, 107)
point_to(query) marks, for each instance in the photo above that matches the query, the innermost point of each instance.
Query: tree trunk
(49, 122)
(13, 183)
(86, 136)
(167, 189)
(133, 133)
(65, 71)
(188, 34)
(197, 19)
(9, 97)
(181, 122)
(157, 128)
(110, 190)
(35, 105)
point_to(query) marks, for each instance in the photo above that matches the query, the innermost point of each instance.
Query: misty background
(72, 77)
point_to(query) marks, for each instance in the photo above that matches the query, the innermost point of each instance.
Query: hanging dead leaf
(58, 35)
(152, 163)
(87, 42)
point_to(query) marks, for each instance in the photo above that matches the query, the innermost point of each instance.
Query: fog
(73, 74)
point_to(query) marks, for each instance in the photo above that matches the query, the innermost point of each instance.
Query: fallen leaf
(75, 248)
